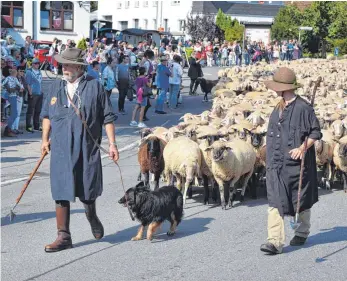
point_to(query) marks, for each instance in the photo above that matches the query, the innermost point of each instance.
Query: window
(145, 3)
(166, 24)
(119, 5)
(136, 23)
(123, 25)
(154, 24)
(127, 4)
(56, 15)
(12, 14)
(181, 25)
(145, 24)
(155, 3)
(137, 4)
(175, 3)
(109, 18)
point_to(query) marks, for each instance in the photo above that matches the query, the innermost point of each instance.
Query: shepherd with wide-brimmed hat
(291, 121)
(75, 162)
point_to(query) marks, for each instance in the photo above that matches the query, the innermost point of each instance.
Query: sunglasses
(36, 63)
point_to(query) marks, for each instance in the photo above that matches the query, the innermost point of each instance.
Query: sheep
(231, 161)
(182, 158)
(340, 159)
(338, 129)
(150, 158)
(259, 145)
(324, 155)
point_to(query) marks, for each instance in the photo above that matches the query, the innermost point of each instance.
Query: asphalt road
(211, 244)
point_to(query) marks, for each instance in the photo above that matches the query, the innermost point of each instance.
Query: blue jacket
(163, 74)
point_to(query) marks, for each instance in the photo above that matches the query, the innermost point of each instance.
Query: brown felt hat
(284, 79)
(71, 56)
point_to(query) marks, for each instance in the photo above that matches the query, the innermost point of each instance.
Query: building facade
(257, 16)
(44, 20)
(151, 15)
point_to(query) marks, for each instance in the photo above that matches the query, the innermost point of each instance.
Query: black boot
(95, 223)
(63, 240)
(297, 241)
(269, 248)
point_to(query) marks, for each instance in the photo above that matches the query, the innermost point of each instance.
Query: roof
(137, 31)
(237, 9)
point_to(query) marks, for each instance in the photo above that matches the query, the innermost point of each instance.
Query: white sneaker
(142, 125)
(133, 123)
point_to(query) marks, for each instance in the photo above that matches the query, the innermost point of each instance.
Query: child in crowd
(142, 83)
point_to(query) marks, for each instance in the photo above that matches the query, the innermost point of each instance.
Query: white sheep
(231, 161)
(182, 158)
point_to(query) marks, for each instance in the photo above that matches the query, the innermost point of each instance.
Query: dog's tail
(179, 208)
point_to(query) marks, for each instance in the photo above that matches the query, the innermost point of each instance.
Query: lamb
(340, 159)
(150, 158)
(231, 161)
(182, 158)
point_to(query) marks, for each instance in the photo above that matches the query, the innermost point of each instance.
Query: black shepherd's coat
(282, 172)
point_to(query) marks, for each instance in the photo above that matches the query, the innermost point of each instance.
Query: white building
(44, 20)
(257, 16)
(151, 15)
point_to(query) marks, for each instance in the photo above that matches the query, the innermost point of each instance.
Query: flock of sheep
(226, 146)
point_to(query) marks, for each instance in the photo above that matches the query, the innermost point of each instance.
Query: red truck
(41, 48)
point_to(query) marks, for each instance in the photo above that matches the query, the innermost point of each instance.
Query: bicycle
(48, 67)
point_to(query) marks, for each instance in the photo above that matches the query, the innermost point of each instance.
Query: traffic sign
(305, 28)
(336, 51)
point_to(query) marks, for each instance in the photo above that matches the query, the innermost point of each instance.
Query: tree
(286, 23)
(231, 28)
(93, 6)
(338, 28)
(203, 26)
(319, 16)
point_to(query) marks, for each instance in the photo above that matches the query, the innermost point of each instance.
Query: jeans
(123, 90)
(15, 124)
(14, 112)
(247, 59)
(174, 89)
(34, 108)
(160, 100)
(238, 59)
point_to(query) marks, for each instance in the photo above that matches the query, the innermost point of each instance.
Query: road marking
(16, 180)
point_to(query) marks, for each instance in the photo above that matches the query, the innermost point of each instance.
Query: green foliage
(82, 44)
(340, 43)
(338, 28)
(286, 23)
(93, 6)
(231, 28)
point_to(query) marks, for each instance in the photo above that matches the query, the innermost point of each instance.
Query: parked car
(41, 48)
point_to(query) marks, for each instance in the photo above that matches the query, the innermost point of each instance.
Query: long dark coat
(282, 172)
(75, 159)
(194, 70)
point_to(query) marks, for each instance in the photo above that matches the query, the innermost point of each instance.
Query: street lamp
(304, 28)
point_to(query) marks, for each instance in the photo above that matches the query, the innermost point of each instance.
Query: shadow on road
(32, 218)
(186, 228)
(326, 236)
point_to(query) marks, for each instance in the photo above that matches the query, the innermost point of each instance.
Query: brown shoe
(95, 223)
(9, 133)
(63, 240)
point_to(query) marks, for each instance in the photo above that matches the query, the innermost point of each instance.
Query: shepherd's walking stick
(12, 214)
(295, 222)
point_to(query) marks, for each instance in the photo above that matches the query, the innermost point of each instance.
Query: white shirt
(177, 73)
(72, 88)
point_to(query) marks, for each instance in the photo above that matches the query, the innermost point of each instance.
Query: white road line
(16, 180)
